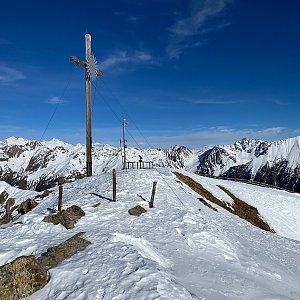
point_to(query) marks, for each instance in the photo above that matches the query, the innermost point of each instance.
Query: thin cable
(126, 113)
(119, 120)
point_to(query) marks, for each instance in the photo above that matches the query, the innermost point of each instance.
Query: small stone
(137, 210)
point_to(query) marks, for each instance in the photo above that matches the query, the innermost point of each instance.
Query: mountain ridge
(37, 165)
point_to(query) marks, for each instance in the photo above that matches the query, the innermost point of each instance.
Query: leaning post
(60, 194)
(114, 198)
(153, 194)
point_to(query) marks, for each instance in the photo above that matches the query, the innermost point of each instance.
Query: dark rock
(3, 197)
(10, 202)
(137, 210)
(68, 248)
(21, 278)
(67, 217)
(27, 206)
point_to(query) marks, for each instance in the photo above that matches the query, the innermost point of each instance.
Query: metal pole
(88, 109)
(114, 198)
(124, 144)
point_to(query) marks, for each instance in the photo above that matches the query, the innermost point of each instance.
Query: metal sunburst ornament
(92, 67)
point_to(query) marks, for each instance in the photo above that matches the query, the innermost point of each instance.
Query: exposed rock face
(21, 278)
(177, 155)
(8, 206)
(137, 210)
(67, 217)
(276, 163)
(55, 255)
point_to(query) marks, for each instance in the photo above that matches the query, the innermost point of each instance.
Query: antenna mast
(124, 145)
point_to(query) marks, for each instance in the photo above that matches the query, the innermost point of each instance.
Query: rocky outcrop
(55, 255)
(27, 274)
(26, 206)
(21, 278)
(67, 217)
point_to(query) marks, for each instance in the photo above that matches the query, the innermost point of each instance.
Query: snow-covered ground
(180, 249)
(18, 194)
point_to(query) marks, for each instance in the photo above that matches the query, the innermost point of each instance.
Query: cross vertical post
(88, 53)
(91, 72)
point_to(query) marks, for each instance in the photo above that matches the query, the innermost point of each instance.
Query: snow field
(173, 251)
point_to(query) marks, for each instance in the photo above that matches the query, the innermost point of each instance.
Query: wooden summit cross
(91, 73)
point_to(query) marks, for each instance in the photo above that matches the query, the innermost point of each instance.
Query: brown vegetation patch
(247, 211)
(198, 188)
(239, 207)
(207, 204)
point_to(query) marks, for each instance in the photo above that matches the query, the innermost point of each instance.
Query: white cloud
(209, 101)
(216, 136)
(123, 57)
(194, 24)
(55, 100)
(9, 75)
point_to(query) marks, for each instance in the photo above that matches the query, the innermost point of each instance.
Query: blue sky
(182, 72)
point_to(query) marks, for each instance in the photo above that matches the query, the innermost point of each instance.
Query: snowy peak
(276, 163)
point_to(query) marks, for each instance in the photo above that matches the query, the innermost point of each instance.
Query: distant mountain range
(37, 165)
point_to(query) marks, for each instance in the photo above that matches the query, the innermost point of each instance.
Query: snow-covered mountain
(276, 163)
(180, 249)
(37, 165)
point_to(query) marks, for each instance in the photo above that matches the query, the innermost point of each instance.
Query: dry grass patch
(247, 211)
(239, 207)
(198, 188)
(203, 201)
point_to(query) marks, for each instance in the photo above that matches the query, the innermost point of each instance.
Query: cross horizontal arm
(78, 61)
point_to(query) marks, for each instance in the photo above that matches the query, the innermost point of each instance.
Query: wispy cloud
(55, 100)
(5, 42)
(9, 75)
(134, 19)
(124, 57)
(208, 101)
(195, 24)
(216, 136)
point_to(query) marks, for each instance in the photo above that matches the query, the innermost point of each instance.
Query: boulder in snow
(55, 255)
(137, 210)
(21, 278)
(67, 217)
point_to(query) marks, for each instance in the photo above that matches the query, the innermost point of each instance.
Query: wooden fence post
(60, 194)
(114, 198)
(153, 194)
